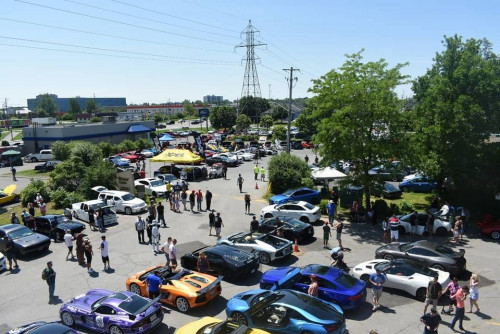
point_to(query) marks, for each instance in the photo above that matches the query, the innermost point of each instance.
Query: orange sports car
(184, 289)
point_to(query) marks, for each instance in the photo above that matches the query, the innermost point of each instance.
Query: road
(24, 294)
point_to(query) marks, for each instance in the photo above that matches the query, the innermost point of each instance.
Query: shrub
(286, 172)
(63, 199)
(35, 187)
(404, 206)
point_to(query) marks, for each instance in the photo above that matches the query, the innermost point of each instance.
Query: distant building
(212, 99)
(137, 112)
(63, 102)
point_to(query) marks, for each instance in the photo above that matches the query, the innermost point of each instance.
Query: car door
(217, 265)
(421, 223)
(42, 225)
(422, 255)
(395, 278)
(83, 214)
(268, 226)
(100, 318)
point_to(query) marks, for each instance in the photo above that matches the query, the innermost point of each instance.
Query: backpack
(44, 274)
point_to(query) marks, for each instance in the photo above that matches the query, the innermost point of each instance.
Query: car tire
(239, 318)
(135, 289)
(268, 215)
(115, 330)
(304, 219)
(438, 266)
(388, 257)
(60, 235)
(67, 319)
(182, 304)
(421, 294)
(405, 189)
(128, 210)
(34, 159)
(495, 235)
(264, 258)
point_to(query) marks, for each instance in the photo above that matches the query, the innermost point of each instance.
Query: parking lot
(25, 294)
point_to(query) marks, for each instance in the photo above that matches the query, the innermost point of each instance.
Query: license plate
(153, 317)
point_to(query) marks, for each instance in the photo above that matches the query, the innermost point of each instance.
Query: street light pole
(290, 81)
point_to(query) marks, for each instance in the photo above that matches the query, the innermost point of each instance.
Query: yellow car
(209, 325)
(7, 195)
(183, 289)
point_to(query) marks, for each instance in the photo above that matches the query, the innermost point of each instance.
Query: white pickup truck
(81, 211)
(44, 155)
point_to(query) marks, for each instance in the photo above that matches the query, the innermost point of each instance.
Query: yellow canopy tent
(177, 156)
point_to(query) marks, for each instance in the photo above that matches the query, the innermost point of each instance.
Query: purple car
(112, 312)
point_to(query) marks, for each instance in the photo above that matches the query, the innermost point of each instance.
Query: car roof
(11, 227)
(425, 244)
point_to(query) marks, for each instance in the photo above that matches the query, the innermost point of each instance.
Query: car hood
(279, 198)
(70, 225)
(9, 190)
(274, 275)
(31, 240)
(392, 247)
(85, 301)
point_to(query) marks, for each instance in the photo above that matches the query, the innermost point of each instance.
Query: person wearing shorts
(165, 249)
(394, 226)
(434, 291)
(339, 225)
(377, 280)
(172, 252)
(326, 234)
(68, 240)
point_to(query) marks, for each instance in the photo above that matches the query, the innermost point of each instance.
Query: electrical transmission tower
(251, 85)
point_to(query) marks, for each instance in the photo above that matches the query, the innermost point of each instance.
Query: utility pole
(290, 82)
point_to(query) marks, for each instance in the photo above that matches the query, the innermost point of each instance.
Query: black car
(223, 160)
(232, 263)
(42, 327)
(292, 228)
(171, 122)
(55, 226)
(296, 145)
(47, 166)
(25, 240)
(386, 190)
(196, 121)
(426, 252)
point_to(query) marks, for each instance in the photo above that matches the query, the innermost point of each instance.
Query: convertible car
(335, 285)
(209, 325)
(401, 274)
(112, 312)
(8, 195)
(183, 289)
(292, 228)
(267, 246)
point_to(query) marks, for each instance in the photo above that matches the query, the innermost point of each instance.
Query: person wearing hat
(330, 209)
(68, 240)
(377, 280)
(431, 321)
(313, 287)
(49, 275)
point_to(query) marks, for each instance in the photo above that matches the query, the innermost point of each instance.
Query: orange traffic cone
(296, 246)
(256, 185)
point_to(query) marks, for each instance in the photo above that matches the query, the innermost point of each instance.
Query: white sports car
(300, 210)
(402, 274)
(440, 227)
(246, 156)
(155, 187)
(268, 247)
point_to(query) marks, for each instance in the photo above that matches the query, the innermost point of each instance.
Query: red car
(490, 226)
(307, 145)
(130, 156)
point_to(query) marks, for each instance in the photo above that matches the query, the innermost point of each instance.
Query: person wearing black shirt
(211, 221)
(431, 322)
(326, 234)
(160, 209)
(208, 199)
(254, 225)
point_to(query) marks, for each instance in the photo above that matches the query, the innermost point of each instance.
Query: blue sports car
(112, 312)
(285, 311)
(419, 184)
(299, 194)
(335, 285)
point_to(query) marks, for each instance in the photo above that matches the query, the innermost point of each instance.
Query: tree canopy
(46, 106)
(253, 107)
(74, 107)
(266, 121)
(279, 112)
(222, 117)
(243, 122)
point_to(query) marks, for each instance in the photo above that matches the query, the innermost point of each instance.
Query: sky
(157, 51)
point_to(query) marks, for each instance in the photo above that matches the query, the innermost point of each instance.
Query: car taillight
(355, 297)
(331, 328)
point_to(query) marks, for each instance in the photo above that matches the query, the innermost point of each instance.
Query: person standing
(218, 225)
(313, 287)
(211, 221)
(316, 160)
(165, 249)
(68, 240)
(31, 209)
(377, 280)
(199, 199)
(430, 223)
(151, 211)
(13, 171)
(184, 199)
(306, 159)
(413, 224)
(49, 275)
(461, 296)
(330, 209)
(326, 234)
(254, 225)
(339, 225)
(262, 174)
(88, 255)
(140, 225)
(192, 198)
(9, 252)
(80, 249)
(239, 182)
(434, 291)
(224, 172)
(202, 263)
(474, 292)
(100, 218)
(256, 171)
(154, 282)
(14, 219)
(452, 287)
(431, 321)
(247, 203)
(160, 209)
(149, 230)
(172, 253)
(43, 208)
(104, 253)
(155, 234)
(169, 190)
(208, 199)
(394, 227)
(92, 218)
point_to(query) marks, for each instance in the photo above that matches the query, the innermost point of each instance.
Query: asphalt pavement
(24, 294)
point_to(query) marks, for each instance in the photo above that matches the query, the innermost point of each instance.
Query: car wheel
(388, 257)
(67, 319)
(405, 189)
(441, 231)
(34, 159)
(438, 266)
(394, 179)
(135, 289)
(60, 235)
(17, 199)
(268, 215)
(421, 294)
(128, 211)
(115, 330)
(304, 219)
(264, 258)
(182, 304)
(239, 318)
(495, 235)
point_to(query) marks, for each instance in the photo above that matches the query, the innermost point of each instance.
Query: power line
(120, 22)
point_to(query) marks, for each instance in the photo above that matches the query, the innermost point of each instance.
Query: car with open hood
(8, 195)
(55, 226)
(292, 228)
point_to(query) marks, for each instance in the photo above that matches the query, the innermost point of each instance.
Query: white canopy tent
(327, 173)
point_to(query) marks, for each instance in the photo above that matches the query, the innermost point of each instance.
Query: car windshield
(59, 219)
(309, 206)
(131, 303)
(382, 266)
(272, 296)
(444, 250)
(390, 187)
(346, 280)
(406, 247)
(288, 193)
(419, 268)
(20, 232)
(128, 197)
(295, 223)
(315, 269)
(157, 183)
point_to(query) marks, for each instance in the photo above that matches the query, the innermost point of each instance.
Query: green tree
(360, 115)
(457, 103)
(306, 122)
(189, 109)
(91, 106)
(32, 189)
(61, 150)
(46, 106)
(279, 132)
(222, 117)
(287, 171)
(243, 122)
(159, 118)
(143, 143)
(85, 152)
(127, 145)
(266, 122)
(74, 108)
(100, 173)
(107, 148)
(279, 112)
(253, 107)
(68, 175)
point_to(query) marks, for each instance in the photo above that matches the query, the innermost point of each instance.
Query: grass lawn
(6, 212)
(19, 136)
(32, 173)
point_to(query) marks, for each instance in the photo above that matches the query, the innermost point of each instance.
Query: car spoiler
(145, 307)
(211, 285)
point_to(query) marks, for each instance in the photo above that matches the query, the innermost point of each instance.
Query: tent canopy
(327, 173)
(166, 137)
(177, 156)
(10, 153)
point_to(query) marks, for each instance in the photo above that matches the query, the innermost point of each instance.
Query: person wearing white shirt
(104, 253)
(172, 253)
(155, 237)
(68, 240)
